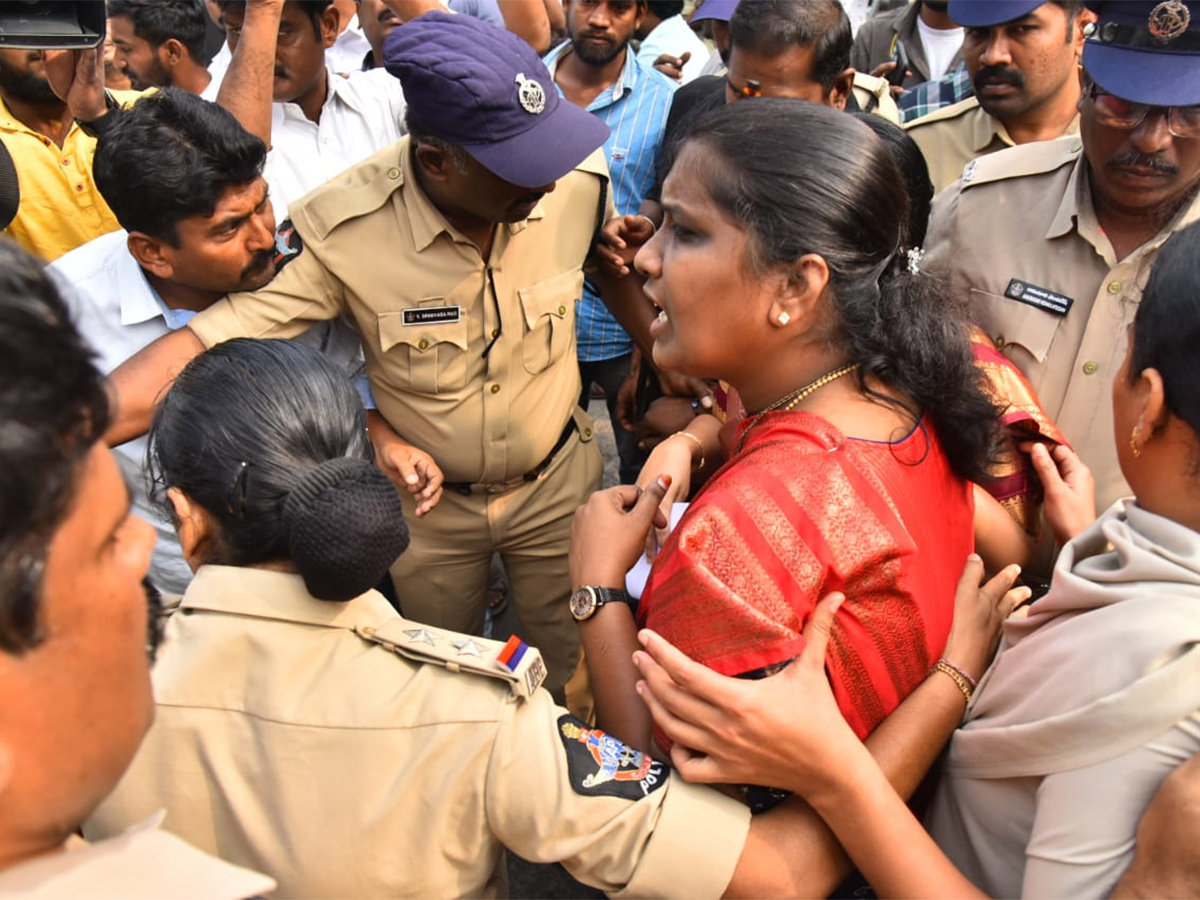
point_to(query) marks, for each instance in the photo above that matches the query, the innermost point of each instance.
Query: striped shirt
(635, 109)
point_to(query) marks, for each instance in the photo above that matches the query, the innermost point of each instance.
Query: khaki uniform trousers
(442, 578)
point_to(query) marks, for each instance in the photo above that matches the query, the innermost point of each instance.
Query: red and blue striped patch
(512, 653)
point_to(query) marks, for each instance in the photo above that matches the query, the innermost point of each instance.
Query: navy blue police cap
(986, 13)
(1146, 52)
(486, 90)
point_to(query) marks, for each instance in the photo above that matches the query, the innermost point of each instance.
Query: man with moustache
(1052, 242)
(931, 39)
(161, 44)
(458, 253)
(1022, 56)
(596, 70)
(185, 181)
(60, 206)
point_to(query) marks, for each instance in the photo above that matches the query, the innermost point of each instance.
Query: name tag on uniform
(431, 315)
(1042, 298)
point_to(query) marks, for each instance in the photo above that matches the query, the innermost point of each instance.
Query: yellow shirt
(61, 209)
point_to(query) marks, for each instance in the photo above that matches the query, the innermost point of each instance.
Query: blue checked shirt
(635, 108)
(932, 95)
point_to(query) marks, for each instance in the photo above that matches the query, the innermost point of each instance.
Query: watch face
(583, 603)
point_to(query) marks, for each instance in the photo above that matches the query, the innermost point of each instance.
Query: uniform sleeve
(939, 239)
(1085, 826)
(303, 293)
(559, 791)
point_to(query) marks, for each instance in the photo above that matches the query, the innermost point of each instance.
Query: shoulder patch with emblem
(599, 765)
(288, 244)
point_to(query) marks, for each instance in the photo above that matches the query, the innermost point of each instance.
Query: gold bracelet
(946, 668)
(699, 444)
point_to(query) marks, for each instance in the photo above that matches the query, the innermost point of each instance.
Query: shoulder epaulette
(514, 661)
(944, 113)
(361, 189)
(1036, 158)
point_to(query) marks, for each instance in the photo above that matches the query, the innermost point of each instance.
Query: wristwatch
(587, 599)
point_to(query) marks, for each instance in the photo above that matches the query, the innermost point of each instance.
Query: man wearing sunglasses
(1052, 242)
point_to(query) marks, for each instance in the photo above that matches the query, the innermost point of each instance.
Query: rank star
(420, 636)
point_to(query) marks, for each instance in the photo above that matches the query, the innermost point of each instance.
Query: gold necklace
(792, 400)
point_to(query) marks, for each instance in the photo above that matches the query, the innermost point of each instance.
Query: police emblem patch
(287, 244)
(600, 765)
(530, 94)
(1169, 20)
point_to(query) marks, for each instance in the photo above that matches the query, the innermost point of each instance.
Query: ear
(1085, 18)
(172, 52)
(1152, 400)
(151, 254)
(841, 89)
(796, 304)
(434, 163)
(331, 21)
(192, 527)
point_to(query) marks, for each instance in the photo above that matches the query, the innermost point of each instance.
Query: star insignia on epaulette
(421, 636)
(467, 647)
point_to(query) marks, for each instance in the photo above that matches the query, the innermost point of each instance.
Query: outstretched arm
(248, 88)
(138, 383)
(787, 731)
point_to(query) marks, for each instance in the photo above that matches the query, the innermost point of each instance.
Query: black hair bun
(345, 527)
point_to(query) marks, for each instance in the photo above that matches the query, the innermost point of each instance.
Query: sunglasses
(1182, 121)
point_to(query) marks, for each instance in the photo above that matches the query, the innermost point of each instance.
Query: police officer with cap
(1051, 243)
(458, 255)
(1022, 57)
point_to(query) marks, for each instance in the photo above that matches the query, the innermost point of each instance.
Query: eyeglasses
(1182, 121)
(751, 89)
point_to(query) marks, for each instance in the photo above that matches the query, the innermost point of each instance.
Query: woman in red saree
(779, 270)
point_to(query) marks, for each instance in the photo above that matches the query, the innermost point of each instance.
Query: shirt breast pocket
(549, 311)
(1025, 333)
(425, 359)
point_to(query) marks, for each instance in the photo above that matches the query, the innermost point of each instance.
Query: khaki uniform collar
(985, 129)
(266, 594)
(425, 220)
(143, 862)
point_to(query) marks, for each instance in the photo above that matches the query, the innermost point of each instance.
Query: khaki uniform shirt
(288, 742)
(427, 305)
(1017, 234)
(142, 862)
(952, 136)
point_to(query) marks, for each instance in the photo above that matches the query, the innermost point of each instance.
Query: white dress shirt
(363, 113)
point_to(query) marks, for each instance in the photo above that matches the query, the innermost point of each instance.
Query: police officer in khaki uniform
(458, 255)
(1052, 242)
(1022, 57)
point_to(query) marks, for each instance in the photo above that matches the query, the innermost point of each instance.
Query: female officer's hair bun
(269, 438)
(345, 527)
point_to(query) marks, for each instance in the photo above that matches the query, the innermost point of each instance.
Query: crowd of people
(894, 321)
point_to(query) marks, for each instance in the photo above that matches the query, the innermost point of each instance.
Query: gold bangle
(947, 669)
(699, 445)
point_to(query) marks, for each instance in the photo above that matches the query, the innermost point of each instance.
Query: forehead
(237, 201)
(788, 74)
(122, 28)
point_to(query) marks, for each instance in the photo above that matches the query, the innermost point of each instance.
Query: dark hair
(913, 169)
(803, 178)
(1166, 328)
(270, 439)
(53, 409)
(665, 9)
(157, 21)
(419, 135)
(314, 9)
(770, 27)
(170, 157)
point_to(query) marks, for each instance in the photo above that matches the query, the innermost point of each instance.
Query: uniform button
(495, 332)
(1000, 342)
(368, 630)
(393, 173)
(495, 388)
(1114, 287)
(66, 162)
(422, 344)
(587, 432)
(79, 188)
(1090, 368)
(562, 310)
